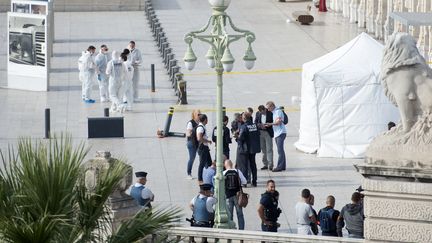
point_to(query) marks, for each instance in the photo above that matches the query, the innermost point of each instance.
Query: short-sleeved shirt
(210, 203)
(303, 213)
(145, 193)
(208, 174)
(202, 129)
(278, 129)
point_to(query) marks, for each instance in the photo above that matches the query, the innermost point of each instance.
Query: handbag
(242, 198)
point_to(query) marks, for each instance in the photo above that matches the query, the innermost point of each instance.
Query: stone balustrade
(374, 16)
(194, 234)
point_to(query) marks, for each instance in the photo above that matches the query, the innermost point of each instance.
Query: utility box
(105, 127)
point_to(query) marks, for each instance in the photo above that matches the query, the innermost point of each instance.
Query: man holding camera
(268, 209)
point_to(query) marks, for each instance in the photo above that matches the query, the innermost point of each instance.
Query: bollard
(223, 111)
(182, 92)
(168, 122)
(153, 89)
(47, 123)
(106, 112)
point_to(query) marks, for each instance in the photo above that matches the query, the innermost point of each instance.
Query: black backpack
(327, 223)
(194, 138)
(285, 120)
(232, 181)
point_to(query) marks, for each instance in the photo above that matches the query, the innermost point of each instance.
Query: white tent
(343, 106)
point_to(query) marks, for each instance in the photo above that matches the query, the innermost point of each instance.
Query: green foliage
(43, 198)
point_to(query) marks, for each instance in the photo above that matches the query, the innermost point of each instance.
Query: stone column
(122, 206)
(397, 204)
(353, 11)
(361, 14)
(370, 15)
(346, 8)
(388, 26)
(379, 20)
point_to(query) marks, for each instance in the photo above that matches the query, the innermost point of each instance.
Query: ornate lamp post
(220, 58)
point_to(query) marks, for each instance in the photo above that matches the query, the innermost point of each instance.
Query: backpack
(232, 181)
(327, 223)
(194, 138)
(285, 120)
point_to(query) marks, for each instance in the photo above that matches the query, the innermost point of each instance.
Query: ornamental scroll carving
(398, 231)
(398, 209)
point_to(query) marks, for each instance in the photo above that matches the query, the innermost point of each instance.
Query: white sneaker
(189, 177)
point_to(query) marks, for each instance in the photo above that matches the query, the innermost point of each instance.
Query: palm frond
(145, 224)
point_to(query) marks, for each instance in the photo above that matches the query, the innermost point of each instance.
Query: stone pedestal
(121, 205)
(397, 203)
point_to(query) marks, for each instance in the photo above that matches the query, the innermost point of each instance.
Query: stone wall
(88, 5)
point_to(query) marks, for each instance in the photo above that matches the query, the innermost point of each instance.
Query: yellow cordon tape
(287, 70)
(183, 109)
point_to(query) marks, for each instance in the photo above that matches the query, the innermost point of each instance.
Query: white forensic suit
(136, 60)
(117, 70)
(127, 85)
(101, 61)
(87, 68)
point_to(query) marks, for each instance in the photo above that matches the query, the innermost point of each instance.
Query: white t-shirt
(202, 130)
(303, 212)
(263, 119)
(210, 203)
(189, 126)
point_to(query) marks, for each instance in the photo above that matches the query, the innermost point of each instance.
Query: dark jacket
(226, 137)
(269, 119)
(249, 138)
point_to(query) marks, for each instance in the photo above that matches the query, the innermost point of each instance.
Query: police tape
(287, 70)
(206, 109)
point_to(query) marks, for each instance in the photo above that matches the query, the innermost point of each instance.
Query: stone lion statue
(407, 81)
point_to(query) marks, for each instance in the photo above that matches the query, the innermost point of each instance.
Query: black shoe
(277, 170)
(254, 184)
(244, 185)
(264, 168)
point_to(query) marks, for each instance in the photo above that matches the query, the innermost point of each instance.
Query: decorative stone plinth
(121, 205)
(397, 203)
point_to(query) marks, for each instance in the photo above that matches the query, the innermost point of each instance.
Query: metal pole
(47, 123)
(106, 112)
(168, 122)
(153, 89)
(221, 214)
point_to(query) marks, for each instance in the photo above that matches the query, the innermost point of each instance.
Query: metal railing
(195, 234)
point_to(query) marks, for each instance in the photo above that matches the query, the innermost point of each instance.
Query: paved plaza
(280, 47)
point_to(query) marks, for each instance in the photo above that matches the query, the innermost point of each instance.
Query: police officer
(248, 144)
(268, 210)
(140, 193)
(202, 207)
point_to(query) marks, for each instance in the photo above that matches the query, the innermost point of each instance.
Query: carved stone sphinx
(407, 82)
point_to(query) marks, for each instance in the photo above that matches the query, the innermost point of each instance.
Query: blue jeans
(231, 202)
(192, 154)
(281, 163)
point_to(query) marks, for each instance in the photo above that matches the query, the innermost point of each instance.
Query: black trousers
(205, 160)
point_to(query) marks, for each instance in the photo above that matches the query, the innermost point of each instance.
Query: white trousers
(135, 81)
(103, 86)
(86, 79)
(304, 230)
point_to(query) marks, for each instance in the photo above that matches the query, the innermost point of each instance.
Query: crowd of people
(252, 136)
(329, 220)
(117, 75)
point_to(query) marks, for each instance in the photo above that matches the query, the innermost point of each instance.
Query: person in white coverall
(101, 61)
(116, 69)
(127, 84)
(136, 60)
(87, 68)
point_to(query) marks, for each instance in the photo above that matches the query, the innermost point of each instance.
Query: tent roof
(358, 58)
